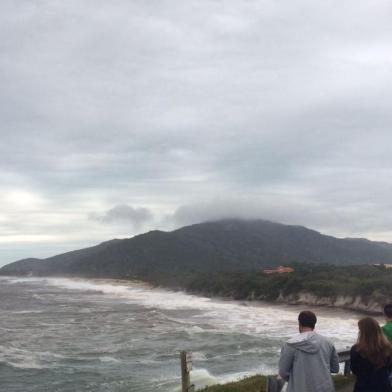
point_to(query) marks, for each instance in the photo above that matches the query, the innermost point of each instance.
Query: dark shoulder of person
(389, 362)
(355, 354)
(354, 349)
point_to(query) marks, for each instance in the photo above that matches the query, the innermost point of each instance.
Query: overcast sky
(122, 116)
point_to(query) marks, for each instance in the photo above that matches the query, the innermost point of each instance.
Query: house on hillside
(280, 270)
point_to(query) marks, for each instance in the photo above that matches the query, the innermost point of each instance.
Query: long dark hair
(372, 344)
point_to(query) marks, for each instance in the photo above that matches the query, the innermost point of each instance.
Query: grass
(248, 384)
(257, 384)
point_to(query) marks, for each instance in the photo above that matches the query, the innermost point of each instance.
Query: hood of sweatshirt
(307, 342)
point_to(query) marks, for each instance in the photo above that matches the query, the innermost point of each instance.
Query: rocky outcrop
(356, 303)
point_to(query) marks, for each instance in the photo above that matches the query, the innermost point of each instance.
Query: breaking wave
(107, 329)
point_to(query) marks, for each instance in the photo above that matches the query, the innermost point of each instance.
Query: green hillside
(227, 246)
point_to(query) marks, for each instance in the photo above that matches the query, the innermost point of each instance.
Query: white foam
(252, 318)
(108, 359)
(236, 376)
(202, 378)
(198, 356)
(25, 359)
(220, 320)
(27, 311)
(15, 280)
(197, 329)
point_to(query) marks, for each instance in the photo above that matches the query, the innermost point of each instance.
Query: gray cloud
(124, 214)
(285, 106)
(294, 210)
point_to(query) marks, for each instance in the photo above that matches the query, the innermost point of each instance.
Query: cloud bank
(123, 214)
(190, 111)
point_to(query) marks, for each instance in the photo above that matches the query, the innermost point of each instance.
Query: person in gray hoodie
(308, 359)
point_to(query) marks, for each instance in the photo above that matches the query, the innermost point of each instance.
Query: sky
(122, 116)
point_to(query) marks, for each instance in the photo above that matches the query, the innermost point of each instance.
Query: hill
(224, 246)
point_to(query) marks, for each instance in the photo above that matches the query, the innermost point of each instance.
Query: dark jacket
(306, 362)
(369, 379)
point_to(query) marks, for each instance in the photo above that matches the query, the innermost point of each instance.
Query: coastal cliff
(360, 288)
(356, 303)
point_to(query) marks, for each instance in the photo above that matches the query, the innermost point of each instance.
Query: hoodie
(307, 361)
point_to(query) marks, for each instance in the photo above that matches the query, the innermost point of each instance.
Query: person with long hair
(371, 358)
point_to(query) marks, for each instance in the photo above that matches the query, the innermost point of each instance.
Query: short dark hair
(388, 310)
(307, 319)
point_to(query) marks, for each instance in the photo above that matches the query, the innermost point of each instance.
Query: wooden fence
(186, 367)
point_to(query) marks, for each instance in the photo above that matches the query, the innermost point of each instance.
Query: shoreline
(356, 304)
(349, 303)
(320, 302)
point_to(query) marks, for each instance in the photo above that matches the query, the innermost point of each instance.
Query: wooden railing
(186, 367)
(344, 356)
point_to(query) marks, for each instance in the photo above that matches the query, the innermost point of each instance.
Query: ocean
(60, 334)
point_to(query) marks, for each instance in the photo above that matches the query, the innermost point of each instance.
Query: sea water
(59, 334)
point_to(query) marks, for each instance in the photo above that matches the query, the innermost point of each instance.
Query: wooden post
(186, 367)
(347, 368)
(268, 384)
(344, 356)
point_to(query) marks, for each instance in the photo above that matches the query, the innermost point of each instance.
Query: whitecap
(256, 318)
(202, 377)
(27, 311)
(108, 359)
(199, 356)
(26, 359)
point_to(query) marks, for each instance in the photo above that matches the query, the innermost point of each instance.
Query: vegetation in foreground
(257, 384)
(248, 384)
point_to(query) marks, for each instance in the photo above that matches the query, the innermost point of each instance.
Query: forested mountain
(222, 246)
